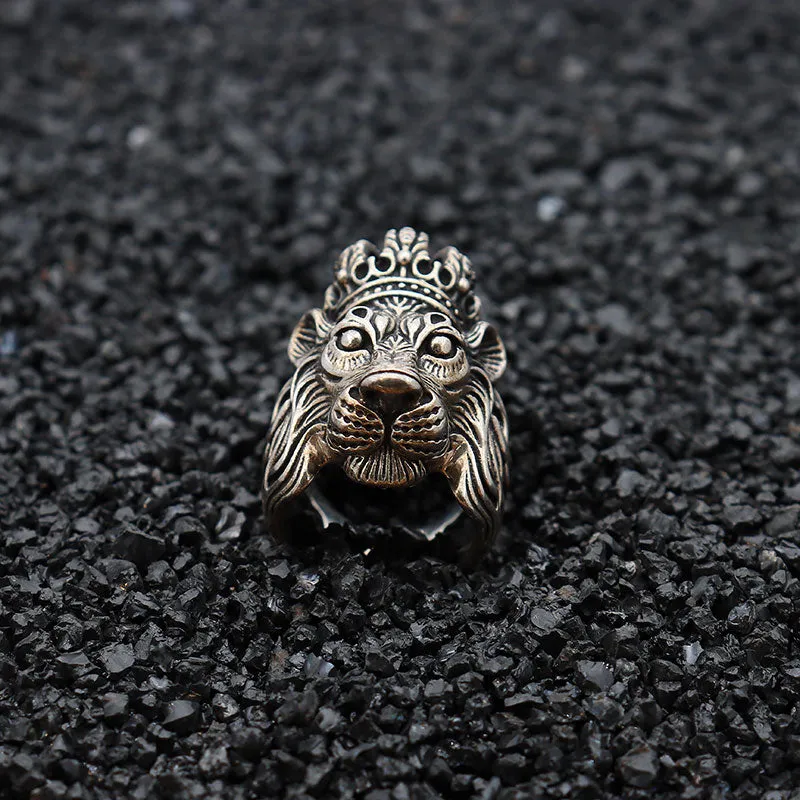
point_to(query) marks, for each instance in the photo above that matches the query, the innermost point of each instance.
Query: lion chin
(384, 468)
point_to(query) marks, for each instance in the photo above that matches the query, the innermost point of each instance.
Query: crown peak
(404, 266)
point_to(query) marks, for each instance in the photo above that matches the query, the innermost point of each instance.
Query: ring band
(394, 382)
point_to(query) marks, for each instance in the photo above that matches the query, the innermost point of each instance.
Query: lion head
(394, 381)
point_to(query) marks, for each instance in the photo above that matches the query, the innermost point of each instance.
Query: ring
(393, 388)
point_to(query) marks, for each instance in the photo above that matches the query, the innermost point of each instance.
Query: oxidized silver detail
(394, 381)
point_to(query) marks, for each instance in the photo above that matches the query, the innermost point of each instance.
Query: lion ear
(487, 349)
(310, 332)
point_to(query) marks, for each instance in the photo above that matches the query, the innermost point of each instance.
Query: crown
(404, 268)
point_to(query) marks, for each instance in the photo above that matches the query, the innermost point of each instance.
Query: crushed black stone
(176, 178)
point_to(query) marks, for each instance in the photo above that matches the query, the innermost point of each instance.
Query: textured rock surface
(175, 178)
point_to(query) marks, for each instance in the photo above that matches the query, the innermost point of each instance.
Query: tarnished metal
(394, 381)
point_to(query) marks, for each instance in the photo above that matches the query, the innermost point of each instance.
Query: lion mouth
(384, 467)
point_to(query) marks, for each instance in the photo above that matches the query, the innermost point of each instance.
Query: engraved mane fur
(394, 381)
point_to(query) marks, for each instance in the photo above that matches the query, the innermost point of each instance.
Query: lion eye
(350, 339)
(442, 346)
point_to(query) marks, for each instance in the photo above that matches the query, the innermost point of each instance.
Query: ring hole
(436, 318)
(360, 312)
(415, 508)
(424, 266)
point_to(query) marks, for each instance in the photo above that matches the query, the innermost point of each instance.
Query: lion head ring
(394, 382)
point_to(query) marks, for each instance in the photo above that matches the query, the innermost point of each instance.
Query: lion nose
(390, 393)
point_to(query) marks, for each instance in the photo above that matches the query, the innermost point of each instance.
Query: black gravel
(175, 179)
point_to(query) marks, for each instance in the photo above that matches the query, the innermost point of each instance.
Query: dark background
(175, 180)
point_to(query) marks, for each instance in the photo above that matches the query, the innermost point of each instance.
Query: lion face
(394, 381)
(394, 371)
